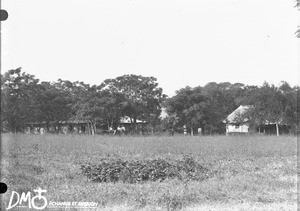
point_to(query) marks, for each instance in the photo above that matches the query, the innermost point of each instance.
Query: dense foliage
(115, 170)
(25, 100)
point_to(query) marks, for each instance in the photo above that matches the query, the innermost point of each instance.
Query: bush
(114, 170)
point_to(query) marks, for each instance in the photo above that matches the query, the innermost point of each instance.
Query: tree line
(207, 107)
(25, 99)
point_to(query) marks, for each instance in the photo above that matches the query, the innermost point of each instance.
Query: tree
(223, 98)
(268, 106)
(103, 106)
(291, 104)
(83, 103)
(53, 104)
(188, 105)
(170, 122)
(143, 97)
(17, 99)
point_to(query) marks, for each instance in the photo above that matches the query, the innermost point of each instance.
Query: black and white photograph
(139, 105)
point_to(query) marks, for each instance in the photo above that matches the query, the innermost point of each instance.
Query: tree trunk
(192, 131)
(277, 129)
(135, 125)
(93, 128)
(258, 129)
(295, 129)
(88, 127)
(47, 126)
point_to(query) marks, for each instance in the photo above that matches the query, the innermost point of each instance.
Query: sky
(179, 42)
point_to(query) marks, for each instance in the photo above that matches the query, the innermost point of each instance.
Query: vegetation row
(118, 170)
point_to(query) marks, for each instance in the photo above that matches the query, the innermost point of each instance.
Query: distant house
(237, 123)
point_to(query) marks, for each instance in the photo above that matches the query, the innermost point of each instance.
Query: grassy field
(246, 172)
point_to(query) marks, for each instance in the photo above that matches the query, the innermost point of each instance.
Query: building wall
(231, 128)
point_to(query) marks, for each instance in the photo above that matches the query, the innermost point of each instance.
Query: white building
(236, 122)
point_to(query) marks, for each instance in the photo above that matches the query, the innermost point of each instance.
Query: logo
(37, 202)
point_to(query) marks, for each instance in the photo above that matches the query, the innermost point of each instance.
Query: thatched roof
(236, 114)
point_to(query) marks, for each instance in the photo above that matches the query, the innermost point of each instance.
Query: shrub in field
(114, 170)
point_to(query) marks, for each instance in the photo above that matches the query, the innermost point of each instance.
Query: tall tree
(268, 106)
(188, 105)
(143, 97)
(17, 99)
(102, 106)
(53, 104)
(222, 99)
(291, 104)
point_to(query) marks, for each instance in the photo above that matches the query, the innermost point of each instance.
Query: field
(245, 172)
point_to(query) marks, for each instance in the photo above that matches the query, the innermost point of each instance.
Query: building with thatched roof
(237, 122)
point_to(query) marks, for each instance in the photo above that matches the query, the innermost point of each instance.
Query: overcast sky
(180, 42)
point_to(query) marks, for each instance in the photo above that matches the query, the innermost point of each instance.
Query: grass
(248, 172)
